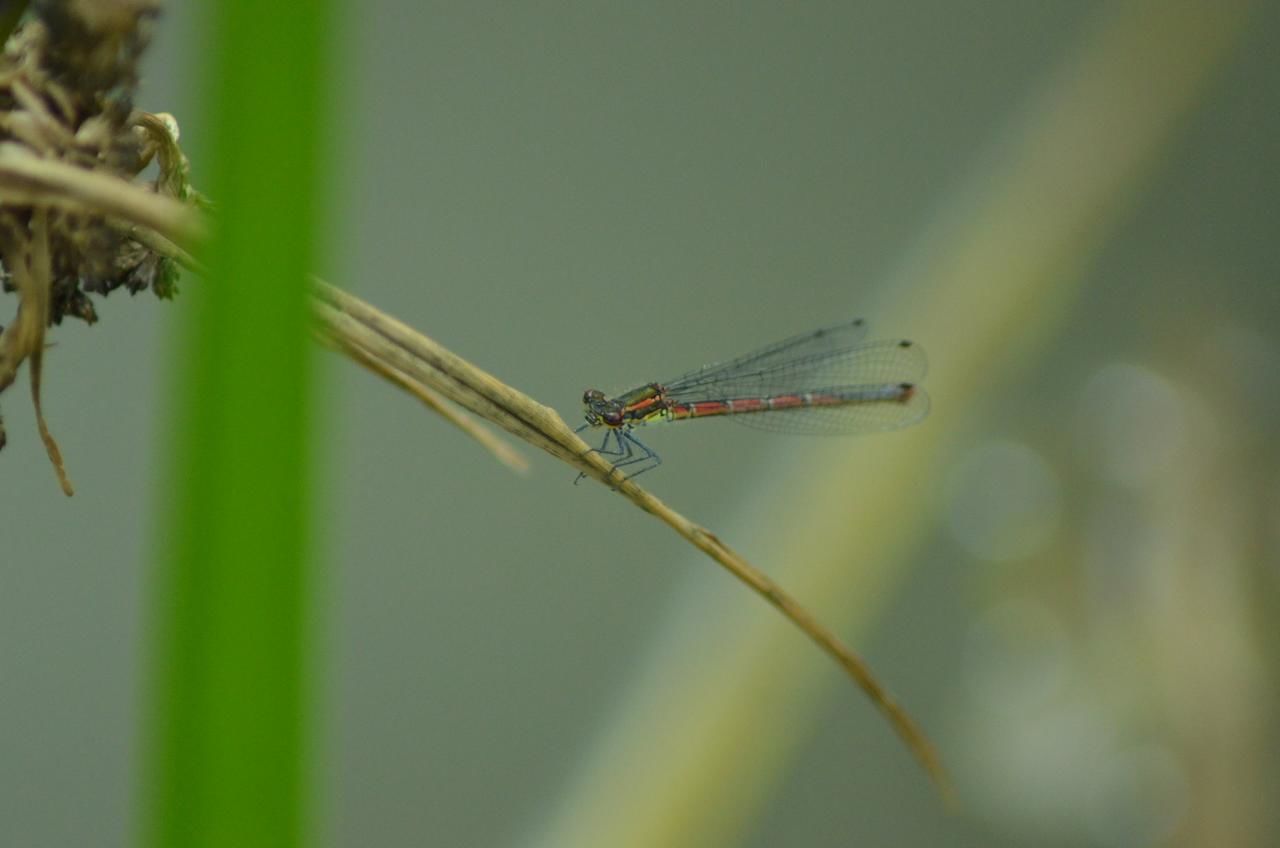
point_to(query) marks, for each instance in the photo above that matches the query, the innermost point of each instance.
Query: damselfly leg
(627, 451)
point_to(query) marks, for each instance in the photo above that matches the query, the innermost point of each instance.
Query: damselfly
(827, 381)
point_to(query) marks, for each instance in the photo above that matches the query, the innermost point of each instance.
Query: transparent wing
(815, 343)
(801, 368)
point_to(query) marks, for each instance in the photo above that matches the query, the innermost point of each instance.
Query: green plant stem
(231, 729)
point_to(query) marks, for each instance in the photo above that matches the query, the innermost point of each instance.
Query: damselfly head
(601, 409)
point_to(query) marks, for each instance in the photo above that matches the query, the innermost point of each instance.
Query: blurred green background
(1068, 573)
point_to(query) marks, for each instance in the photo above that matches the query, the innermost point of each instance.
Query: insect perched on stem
(826, 381)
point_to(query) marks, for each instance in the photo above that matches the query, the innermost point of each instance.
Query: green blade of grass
(230, 730)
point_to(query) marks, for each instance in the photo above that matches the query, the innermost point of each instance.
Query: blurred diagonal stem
(1140, 72)
(987, 283)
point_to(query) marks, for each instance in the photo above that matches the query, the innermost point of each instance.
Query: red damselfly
(826, 381)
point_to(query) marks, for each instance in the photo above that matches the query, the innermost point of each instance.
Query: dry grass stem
(500, 450)
(26, 179)
(416, 363)
(390, 340)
